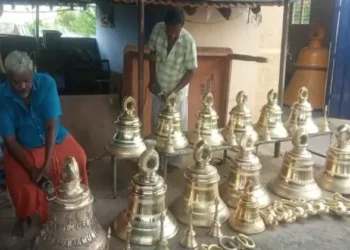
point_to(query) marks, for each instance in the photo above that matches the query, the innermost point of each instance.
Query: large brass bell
(301, 115)
(146, 204)
(201, 191)
(170, 122)
(296, 177)
(336, 173)
(246, 166)
(127, 140)
(270, 120)
(240, 120)
(246, 219)
(71, 223)
(207, 124)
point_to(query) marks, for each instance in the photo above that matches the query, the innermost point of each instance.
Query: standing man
(175, 53)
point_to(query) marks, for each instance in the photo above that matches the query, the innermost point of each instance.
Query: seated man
(36, 143)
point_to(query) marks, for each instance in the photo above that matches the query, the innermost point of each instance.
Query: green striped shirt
(170, 69)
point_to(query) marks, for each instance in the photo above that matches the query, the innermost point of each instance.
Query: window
(301, 12)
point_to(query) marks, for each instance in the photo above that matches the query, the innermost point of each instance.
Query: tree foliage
(79, 22)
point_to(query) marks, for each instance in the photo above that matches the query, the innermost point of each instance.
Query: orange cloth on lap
(26, 196)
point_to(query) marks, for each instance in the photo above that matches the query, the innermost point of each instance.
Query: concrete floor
(322, 233)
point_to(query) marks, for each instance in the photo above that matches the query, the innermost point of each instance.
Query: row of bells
(146, 219)
(128, 141)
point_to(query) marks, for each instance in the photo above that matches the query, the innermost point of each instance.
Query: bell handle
(247, 141)
(171, 100)
(129, 104)
(202, 152)
(241, 97)
(272, 96)
(300, 138)
(208, 99)
(343, 134)
(303, 94)
(149, 159)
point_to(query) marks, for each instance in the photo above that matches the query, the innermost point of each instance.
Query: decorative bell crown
(71, 223)
(147, 203)
(127, 140)
(201, 191)
(296, 177)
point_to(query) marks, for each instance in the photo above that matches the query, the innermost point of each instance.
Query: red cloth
(26, 197)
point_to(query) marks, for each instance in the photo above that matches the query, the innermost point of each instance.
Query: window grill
(301, 12)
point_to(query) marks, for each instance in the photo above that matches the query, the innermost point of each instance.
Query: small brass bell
(71, 223)
(325, 127)
(127, 140)
(246, 166)
(189, 238)
(246, 219)
(207, 124)
(301, 115)
(240, 120)
(215, 229)
(270, 120)
(170, 121)
(201, 190)
(296, 177)
(147, 203)
(163, 243)
(336, 173)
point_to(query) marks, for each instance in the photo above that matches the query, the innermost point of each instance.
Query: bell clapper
(189, 239)
(128, 236)
(163, 243)
(267, 130)
(169, 148)
(215, 229)
(233, 139)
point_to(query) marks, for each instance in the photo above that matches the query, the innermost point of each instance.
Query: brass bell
(246, 219)
(270, 120)
(147, 203)
(301, 115)
(246, 166)
(336, 173)
(170, 122)
(71, 223)
(127, 140)
(207, 124)
(296, 177)
(240, 120)
(201, 191)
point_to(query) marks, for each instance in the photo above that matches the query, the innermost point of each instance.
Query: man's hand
(46, 171)
(35, 174)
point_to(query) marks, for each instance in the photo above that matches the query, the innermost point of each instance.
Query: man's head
(19, 70)
(174, 21)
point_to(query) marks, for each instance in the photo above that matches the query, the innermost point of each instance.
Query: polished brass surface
(239, 241)
(127, 140)
(288, 211)
(207, 124)
(270, 123)
(246, 219)
(338, 205)
(71, 223)
(215, 229)
(163, 243)
(189, 238)
(336, 174)
(128, 237)
(201, 191)
(245, 166)
(325, 125)
(169, 126)
(296, 178)
(147, 203)
(240, 120)
(301, 115)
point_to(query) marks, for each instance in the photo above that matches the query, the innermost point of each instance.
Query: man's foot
(21, 227)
